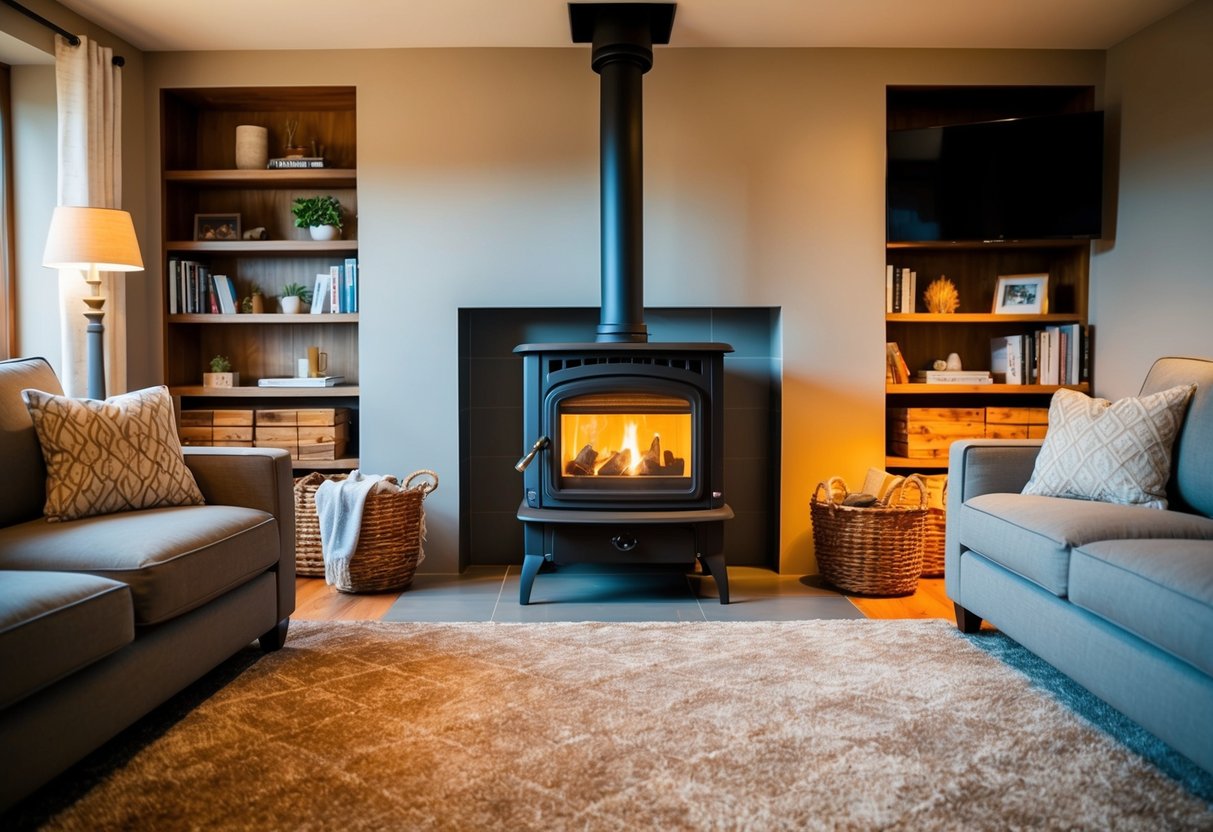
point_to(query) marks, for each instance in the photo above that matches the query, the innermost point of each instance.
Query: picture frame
(216, 227)
(1021, 294)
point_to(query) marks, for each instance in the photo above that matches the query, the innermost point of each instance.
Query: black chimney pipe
(622, 35)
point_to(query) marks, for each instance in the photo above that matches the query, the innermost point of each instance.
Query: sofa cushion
(173, 559)
(121, 454)
(1191, 486)
(1117, 452)
(23, 486)
(1032, 536)
(1160, 590)
(54, 623)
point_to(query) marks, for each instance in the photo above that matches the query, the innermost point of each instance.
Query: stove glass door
(629, 440)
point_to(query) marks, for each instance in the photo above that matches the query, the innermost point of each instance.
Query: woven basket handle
(922, 491)
(829, 486)
(424, 487)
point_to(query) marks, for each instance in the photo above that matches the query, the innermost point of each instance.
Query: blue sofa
(1117, 597)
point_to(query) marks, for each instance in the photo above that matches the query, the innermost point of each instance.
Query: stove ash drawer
(620, 544)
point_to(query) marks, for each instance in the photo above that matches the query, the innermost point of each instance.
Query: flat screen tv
(1019, 179)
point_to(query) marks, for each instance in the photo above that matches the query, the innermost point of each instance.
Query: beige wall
(478, 187)
(1152, 286)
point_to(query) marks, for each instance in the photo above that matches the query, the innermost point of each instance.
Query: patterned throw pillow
(1114, 452)
(121, 454)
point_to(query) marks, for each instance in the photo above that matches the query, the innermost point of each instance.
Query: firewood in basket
(582, 465)
(617, 464)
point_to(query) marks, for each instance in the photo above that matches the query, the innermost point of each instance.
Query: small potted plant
(320, 215)
(221, 374)
(294, 297)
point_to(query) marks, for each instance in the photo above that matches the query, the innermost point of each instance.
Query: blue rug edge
(1098, 713)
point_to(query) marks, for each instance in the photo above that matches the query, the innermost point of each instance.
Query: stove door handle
(539, 445)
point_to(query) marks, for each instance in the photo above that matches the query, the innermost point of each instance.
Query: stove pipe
(622, 35)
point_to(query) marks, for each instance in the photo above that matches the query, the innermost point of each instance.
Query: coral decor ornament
(941, 297)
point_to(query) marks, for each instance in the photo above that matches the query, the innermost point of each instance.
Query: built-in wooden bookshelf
(974, 267)
(199, 176)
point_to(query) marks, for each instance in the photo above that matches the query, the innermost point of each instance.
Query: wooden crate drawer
(308, 416)
(928, 432)
(1016, 422)
(313, 433)
(217, 427)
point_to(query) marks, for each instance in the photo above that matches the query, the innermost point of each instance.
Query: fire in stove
(601, 436)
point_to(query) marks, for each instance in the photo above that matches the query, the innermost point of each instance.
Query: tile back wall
(490, 409)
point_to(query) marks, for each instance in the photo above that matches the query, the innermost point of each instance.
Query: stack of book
(296, 162)
(321, 381)
(954, 377)
(1053, 355)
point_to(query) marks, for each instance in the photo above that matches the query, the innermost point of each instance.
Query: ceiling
(181, 25)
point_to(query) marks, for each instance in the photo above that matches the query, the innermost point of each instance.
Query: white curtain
(89, 89)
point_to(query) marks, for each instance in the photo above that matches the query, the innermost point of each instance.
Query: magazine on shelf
(290, 381)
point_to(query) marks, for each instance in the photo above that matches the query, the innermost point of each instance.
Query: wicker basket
(868, 551)
(935, 523)
(389, 539)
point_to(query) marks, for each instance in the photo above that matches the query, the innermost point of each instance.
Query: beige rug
(770, 725)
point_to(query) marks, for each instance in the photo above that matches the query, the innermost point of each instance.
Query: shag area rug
(590, 726)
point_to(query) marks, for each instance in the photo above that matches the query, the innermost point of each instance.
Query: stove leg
(714, 566)
(530, 565)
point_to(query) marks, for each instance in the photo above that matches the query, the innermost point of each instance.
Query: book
(335, 294)
(297, 162)
(173, 303)
(320, 294)
(290, 381)
(898, 278)
(955, 376)
(351, 284)
(901, 372)
(998, 358)
(225, 293)
(1016, 359)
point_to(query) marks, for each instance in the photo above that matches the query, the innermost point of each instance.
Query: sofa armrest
(258, 478)
(981, 466)
(988, 466)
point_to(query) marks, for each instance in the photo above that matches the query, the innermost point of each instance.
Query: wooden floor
(316, 601)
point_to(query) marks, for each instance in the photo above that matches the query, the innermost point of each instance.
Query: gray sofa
(1119, 598)
(103, 618)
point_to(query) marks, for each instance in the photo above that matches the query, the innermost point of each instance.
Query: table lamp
(93, 240)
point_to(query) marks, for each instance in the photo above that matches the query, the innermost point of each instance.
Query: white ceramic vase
(291, 305)
(324, 232)
(252, 143)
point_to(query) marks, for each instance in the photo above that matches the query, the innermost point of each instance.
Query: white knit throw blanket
(339, 505)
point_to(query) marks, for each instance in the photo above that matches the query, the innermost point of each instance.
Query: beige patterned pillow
(1114, 452)
(117, 455)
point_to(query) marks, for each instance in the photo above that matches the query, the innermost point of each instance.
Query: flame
(629, 444)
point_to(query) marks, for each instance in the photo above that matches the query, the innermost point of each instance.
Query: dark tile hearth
(589, 592)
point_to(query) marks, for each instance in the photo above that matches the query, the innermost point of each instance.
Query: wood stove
(625, 437)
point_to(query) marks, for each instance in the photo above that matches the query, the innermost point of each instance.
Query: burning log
(582, 465)
(618, 464)
(650, 463)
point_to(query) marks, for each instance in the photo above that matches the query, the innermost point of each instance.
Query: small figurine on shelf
(221, 374)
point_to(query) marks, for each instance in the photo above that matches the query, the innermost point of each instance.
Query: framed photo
(1021, 294)
(216, 227)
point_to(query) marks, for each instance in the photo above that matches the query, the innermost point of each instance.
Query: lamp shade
(80, 238)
